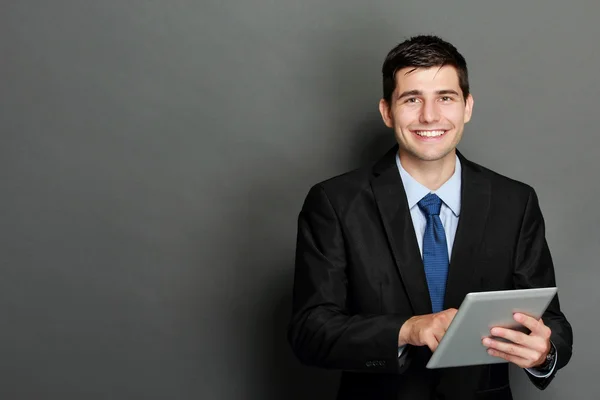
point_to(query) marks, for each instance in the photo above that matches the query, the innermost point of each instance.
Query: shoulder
(502, 187)
(343, 188)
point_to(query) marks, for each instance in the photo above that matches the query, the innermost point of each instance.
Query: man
(386, 254)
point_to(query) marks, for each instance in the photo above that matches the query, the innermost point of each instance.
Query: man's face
(427, 112)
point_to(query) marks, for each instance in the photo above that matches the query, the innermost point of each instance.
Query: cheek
(404, 117)
(455, 115)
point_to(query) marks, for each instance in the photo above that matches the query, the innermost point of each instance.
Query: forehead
(427, 79)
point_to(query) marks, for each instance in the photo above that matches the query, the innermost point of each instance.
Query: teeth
(430, 133)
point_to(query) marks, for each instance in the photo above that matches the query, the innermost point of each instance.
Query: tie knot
(430, 204)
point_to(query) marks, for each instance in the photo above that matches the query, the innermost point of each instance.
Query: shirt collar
(449, 192)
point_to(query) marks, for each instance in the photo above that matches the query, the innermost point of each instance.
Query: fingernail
(495, 331)
(518, 317)
(490, 351)
(487, 341)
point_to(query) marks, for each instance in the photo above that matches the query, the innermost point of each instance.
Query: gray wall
(155, 154)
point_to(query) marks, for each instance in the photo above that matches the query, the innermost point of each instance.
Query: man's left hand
(526, 351)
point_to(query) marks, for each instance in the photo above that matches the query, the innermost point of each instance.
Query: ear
(468, 108)
(386, 113)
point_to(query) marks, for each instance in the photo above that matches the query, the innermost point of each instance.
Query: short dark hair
(423, 51)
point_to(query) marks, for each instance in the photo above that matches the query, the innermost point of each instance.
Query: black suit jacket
(359, 276)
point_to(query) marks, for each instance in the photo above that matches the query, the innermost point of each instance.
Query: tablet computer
(480, 312)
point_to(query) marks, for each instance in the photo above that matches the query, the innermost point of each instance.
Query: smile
(429, 134)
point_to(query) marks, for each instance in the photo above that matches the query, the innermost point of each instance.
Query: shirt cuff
(543, 374)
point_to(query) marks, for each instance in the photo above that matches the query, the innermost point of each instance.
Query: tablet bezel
(477, 314)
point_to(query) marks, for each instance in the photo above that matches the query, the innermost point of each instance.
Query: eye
(446, 98)
(412, 100)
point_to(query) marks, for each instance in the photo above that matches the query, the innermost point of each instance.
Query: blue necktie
(435, 251)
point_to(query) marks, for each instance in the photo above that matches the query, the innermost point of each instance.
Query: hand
(426, 330)
(527, 351)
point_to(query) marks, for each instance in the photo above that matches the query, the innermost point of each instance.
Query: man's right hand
(426, 330)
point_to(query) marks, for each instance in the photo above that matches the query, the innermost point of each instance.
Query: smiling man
(386, 253)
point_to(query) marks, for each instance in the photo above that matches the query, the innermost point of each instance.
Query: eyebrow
(420, 93)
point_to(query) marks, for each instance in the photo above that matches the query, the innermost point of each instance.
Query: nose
(429, 112)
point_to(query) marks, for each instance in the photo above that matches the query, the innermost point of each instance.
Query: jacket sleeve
(322, 332)
(534, 269)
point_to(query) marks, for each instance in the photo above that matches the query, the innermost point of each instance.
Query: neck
(431, 174)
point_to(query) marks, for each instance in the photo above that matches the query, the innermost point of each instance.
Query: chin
(431, 155)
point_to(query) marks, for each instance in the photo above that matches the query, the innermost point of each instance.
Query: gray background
(155, 155)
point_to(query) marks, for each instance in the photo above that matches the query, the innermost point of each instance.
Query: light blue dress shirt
(449, 192)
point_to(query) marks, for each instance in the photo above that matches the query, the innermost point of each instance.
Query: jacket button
(369, 364)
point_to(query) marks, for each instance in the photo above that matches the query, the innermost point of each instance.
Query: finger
(521, 362)
(533, 342)
(431, 342)
(451, 312)
(439, 328)
(512, 349)
(446, 317)
(439, 334)
(536, 326)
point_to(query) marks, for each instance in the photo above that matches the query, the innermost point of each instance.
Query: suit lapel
(393, 207)
(475, 204)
